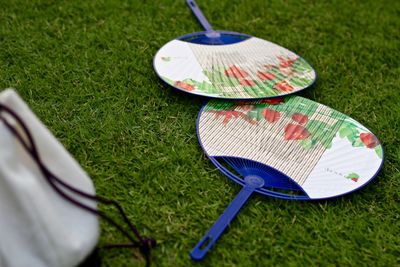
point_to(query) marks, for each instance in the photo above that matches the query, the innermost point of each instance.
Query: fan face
(322, 151)
(246, 68)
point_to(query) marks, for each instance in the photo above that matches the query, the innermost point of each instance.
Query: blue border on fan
(275, 194)
(263, 191)
(236, 37)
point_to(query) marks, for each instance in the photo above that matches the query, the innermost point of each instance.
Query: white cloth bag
(39, 228)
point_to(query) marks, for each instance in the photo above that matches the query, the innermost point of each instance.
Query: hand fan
(289, 148)
(230, 65)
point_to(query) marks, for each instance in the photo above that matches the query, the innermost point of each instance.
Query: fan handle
(212, 235)
(210, 33)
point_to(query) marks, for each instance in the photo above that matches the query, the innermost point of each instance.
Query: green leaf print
(353, 176)
(259, 89)
(251, 90)
(301, 66)
(308, 143)
(379, 151)
(256, 114)
(299, 81)
(220, 79)
(206, 87)
(352, 132)
(299, 105)
(167, 80)
(278, 74)
(357, 143)
(269, 85)
(345, 131)
(219, 105)
(321, 132)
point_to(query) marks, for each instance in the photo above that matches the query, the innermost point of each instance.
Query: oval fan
(230, 65)
(290, 148)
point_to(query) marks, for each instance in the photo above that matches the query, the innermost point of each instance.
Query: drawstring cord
(144, 244)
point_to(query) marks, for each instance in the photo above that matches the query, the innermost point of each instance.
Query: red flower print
(269, 66)
(236, 72)
(296, 132)
(284, 86)
(265, 76)
(369, 140)
(271, 115)
(273, 101)
(300, 118)
(286, 71)
(229, 114)
(246, 107)
(353, 176)
(245, 82)
(184, 86)
(286, 62)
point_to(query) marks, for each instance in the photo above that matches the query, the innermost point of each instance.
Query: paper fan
(290, 148)
(230, 65)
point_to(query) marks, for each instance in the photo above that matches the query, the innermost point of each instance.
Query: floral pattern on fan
(353, 176)
(309, 126)
(289, 75)
(358, 137)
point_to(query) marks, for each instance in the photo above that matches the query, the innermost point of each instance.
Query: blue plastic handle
(202, 19)
(208, 240)
(199, 15)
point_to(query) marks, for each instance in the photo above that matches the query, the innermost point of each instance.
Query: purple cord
(145, 244)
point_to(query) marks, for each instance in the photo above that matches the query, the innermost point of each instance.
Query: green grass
(85, 68)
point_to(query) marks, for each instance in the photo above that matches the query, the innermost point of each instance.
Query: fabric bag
(45, 196)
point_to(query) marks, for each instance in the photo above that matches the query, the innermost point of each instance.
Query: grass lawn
(85, 68)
